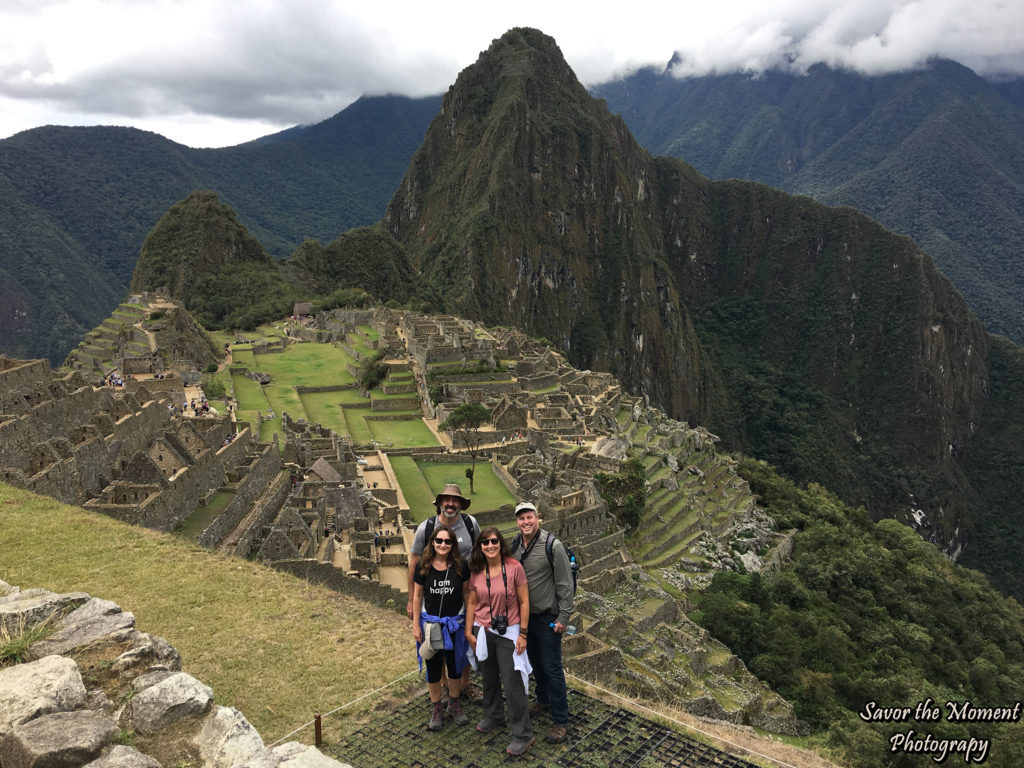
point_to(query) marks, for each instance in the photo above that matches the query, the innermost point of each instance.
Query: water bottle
(569, 630)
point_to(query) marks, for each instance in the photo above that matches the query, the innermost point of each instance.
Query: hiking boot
(437, 718)
(556, 735)
(487, 725)
(472, 693)
(519, 746)
(538, 707)
(455, 712)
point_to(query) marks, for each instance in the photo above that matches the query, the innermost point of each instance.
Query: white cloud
(172, 65)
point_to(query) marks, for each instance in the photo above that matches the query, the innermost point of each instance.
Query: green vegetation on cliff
(935, 153)
(201, 254)
(868, 612)
(78, 203)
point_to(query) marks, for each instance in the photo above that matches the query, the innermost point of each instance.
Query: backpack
(549, 545)
(466, 521)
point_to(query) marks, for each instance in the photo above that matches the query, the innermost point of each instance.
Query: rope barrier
(687, 726)
(349, 704)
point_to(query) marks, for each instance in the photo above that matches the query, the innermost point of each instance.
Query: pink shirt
(507, 603)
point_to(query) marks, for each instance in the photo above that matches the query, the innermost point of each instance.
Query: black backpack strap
(428, 531)
(468, 522)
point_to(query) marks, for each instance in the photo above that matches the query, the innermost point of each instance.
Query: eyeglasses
(485, 542)
(445, 542)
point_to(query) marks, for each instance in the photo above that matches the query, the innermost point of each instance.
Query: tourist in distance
(497, 614)
(451, 508)
(551, 604)
(441, 584)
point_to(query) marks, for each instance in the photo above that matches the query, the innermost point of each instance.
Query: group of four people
(503, 608)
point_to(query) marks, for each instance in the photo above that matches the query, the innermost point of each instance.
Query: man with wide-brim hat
(452, 490)
(451, 508)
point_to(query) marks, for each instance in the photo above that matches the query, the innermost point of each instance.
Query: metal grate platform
(600, 736)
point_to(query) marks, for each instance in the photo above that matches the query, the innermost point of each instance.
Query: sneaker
(538, 707)
(472, 693)
(519, 746)
(487, 725)
(436, 719)
(455, 712)
(557, 735)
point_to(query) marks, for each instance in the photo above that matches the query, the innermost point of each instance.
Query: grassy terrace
(421, 481)
(325, 408)
(411, 433)
(490, 493)
(415, 488)
(308, 365)
(204, 515)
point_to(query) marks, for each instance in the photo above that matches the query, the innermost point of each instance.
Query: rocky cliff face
(529, 204)
(804, 334)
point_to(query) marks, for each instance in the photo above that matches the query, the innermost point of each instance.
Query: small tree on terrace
(464, 423)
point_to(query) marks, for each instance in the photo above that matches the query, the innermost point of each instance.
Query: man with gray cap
(549, 580)
(451, 511)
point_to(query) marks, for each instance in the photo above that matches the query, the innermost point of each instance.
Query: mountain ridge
(79, 203)
(935, 153)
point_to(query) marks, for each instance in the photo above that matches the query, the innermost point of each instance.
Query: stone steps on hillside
(676, 529)
(669, 556)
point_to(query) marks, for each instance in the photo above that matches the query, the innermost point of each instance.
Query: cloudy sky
(220, 72)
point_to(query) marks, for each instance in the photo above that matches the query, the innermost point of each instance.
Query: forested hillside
(78, 203)
(937, 154)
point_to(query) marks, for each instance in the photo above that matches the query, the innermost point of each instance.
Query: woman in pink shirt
(496, 604)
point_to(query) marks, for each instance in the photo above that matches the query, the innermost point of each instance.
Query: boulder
(27, 691)
(120, 756)
(150, 678)
(148, 651)
(59, 740)
(228, 739)
(95, 621)
(33, 606)
(296, 755)
(168, 701)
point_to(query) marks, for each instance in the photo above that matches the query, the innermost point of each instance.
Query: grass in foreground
(274, 646)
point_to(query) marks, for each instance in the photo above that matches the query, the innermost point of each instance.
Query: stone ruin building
(118, 451)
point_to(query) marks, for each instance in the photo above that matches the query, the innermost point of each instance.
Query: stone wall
(261, 472)
(265, 510)
(326, 574)
(395, 403)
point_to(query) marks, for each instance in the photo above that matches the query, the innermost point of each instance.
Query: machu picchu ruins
(119, 432)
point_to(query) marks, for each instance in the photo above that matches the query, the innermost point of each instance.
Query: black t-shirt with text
(437, 584)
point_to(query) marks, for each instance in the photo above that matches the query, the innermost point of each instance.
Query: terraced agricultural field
(404, 433)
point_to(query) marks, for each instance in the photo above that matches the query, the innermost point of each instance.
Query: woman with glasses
(439, 594)
(497, 614)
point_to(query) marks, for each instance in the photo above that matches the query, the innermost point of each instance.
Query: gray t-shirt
(466, 538)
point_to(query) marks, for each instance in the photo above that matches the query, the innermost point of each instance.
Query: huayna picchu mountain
(806, 335)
